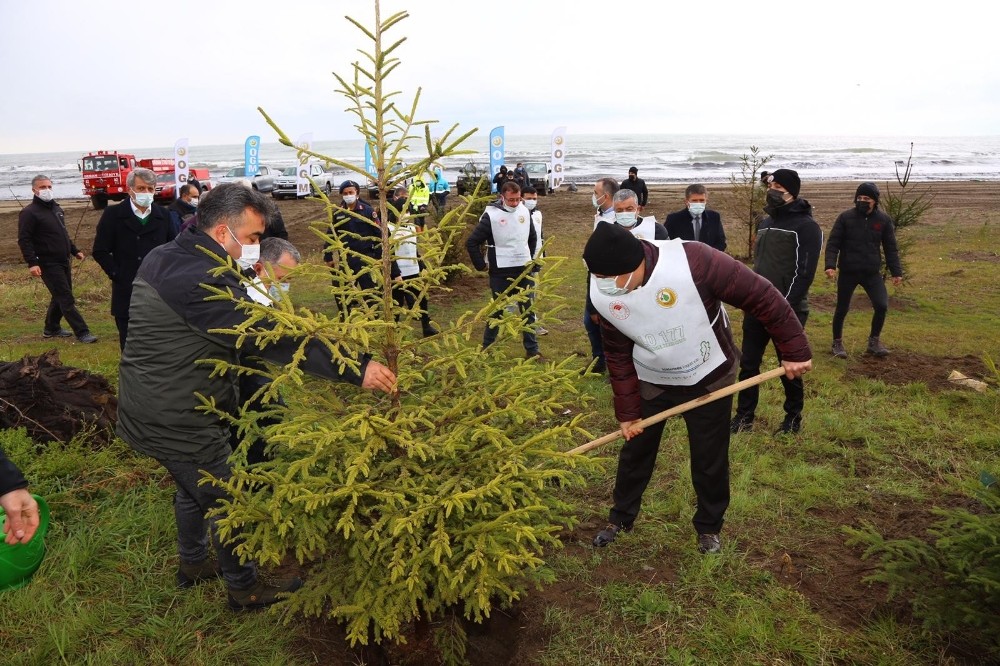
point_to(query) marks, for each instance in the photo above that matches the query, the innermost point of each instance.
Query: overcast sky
(90, 74)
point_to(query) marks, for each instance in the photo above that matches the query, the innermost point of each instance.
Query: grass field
(884, 441)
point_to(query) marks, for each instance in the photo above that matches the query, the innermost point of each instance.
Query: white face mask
(45, 195)
(349, 199)
(509, 209)
(277, 290)
(596, 201)
(530, 204)
(143, 199)
(249, 254)
(609, 286)
(626, 219)
(696, 208)
(194, 202)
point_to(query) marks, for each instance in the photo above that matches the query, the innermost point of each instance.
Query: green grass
(106, 595)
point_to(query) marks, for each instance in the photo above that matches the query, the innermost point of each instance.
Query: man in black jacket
(47, 247)
(857, 239)
(696, 222)
(126, 233)
(19, 506)
(787, 251)
(173, 328)
(184, 207)
(637, 185)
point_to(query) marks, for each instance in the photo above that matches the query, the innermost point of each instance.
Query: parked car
(262, 182)
(285, 185)
(164, 193)
(470, 175)
(372, 187)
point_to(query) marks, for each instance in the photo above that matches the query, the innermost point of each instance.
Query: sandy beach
(572, 213)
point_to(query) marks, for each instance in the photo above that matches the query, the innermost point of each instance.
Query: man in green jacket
(171, 328)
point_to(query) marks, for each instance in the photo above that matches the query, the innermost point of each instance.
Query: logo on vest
(520, 219)
(619, 310)
(666, 298)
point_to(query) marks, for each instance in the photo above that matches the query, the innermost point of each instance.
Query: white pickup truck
(285, 184)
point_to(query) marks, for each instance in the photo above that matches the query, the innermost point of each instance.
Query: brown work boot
(875, 347)
(262, 594)
(189, 575)
(838, 348)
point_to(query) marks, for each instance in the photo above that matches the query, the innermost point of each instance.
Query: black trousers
(58, 279)
(500, 284)
(708, 441)
(874, 286)
(122, 324)
(755, 339)
(406, 295)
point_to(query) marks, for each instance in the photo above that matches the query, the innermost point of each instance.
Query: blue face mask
(609, 286)
(696, 208)
(627, 219)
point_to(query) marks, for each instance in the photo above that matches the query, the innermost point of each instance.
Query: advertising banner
(302, 186)
(181, 165)
(558, 156)
(496, 154)
(251, 156)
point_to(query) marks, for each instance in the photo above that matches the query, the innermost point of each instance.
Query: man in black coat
(637, 185)
(126, 233)
(47, 247)
(696, 222)
(855, 246)
(184, 207)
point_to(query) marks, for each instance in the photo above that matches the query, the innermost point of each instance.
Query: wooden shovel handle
(680, 409)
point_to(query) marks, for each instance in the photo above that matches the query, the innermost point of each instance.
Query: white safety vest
(510, 235)
(675, 344)
(406, 249)
(536, 221)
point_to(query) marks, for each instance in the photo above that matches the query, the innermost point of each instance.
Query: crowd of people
(654, 315)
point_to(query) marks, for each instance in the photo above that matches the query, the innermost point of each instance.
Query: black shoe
(61, 333)
(262, 594)
(791, 425)
(741, 423)
(189, 575)
(597, 367)
(709, 544)
(430, 330)
(608, 534)
(87, 338)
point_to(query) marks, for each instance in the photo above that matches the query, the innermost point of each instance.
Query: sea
(672, 159)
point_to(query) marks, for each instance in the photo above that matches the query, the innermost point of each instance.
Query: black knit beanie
(612, 250)
(868, 190)
(788, 179)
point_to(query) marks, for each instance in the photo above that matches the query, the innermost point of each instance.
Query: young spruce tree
(437, 502)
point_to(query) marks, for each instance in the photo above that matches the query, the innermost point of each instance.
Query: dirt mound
(55, 402)
(903, 367)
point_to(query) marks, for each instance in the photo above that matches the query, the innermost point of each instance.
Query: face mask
(775, 199)
(696, 208)
(278, 290)
(194, 202)
(509, 209)
(862, 207)
(596, 201)
(349, 199)
(249, 254)
(143, 199)
(627, 219)
(530, 204)
(609, 287)
(45, 195)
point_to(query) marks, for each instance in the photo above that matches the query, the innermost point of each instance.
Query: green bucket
(20, 561)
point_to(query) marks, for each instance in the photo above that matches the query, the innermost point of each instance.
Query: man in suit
(126, 233)
(696, 222)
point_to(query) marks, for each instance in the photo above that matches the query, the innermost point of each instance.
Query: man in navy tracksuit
(787, 251)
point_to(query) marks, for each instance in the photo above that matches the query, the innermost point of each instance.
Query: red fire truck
(105, 172)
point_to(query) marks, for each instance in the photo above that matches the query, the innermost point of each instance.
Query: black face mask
(775, 199)
(862, 207)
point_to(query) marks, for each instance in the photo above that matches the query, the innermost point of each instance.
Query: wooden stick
(679, 409)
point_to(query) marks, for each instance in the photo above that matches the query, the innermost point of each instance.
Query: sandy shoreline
(571, 212)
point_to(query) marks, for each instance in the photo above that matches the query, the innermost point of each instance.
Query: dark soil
(903, 367)
(55, 402)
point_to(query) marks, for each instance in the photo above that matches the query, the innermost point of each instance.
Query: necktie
(697, 226)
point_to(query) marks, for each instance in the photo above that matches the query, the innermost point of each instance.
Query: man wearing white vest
(667, 340)
(510, 239)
